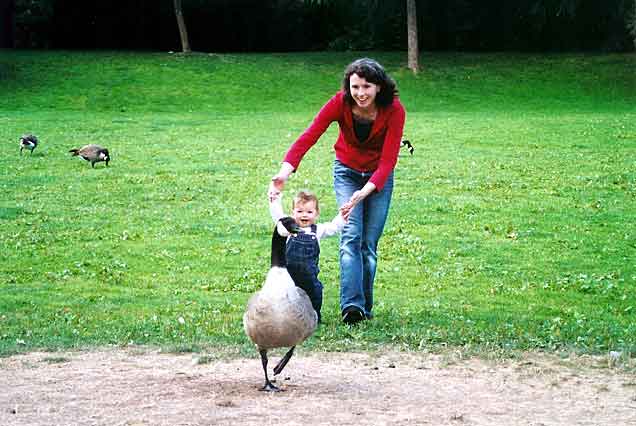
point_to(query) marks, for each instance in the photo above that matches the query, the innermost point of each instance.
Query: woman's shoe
(352, 315)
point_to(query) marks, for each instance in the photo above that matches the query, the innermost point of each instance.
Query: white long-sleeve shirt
(326, 229)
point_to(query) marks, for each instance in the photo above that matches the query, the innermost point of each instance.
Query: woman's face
(362, 91)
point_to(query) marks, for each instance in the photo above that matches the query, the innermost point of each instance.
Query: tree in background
(183, 31)
(413, 50)
(309, 25)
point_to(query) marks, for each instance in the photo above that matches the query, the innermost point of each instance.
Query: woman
(371, 120)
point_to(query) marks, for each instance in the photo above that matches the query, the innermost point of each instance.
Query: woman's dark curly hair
(372, 72)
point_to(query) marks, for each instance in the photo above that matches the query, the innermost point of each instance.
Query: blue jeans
(360, 236)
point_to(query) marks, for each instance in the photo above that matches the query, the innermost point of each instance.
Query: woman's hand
(278, 181)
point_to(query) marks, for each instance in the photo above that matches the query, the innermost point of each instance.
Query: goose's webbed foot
(270, 387)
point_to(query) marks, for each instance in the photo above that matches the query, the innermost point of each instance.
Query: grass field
(512, 225)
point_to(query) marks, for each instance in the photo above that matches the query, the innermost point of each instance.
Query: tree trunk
(183, 32)
(411, 25)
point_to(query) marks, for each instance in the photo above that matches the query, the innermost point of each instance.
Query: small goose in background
(280, 314)
(92, 153)
(408, 146)
(28, 141)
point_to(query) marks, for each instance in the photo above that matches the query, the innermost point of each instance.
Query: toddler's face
(305, 213)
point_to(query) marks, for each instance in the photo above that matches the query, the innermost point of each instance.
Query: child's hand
(275, 188)
(345, 212)
(347, 207)
(278, 181)
(272, 193)
(345, 219)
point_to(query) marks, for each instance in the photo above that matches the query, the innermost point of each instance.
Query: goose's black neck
(278, 249)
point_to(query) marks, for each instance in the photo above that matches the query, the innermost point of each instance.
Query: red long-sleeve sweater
(378, 154)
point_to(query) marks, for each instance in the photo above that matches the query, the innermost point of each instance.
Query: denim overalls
(302, 254)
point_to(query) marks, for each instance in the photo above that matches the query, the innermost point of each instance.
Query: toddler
(303, 249)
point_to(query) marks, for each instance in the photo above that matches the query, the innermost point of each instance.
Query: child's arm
(332, 228)
(276, 211)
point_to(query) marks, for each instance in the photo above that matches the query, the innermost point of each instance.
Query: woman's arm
(391, 146)
(329, 113)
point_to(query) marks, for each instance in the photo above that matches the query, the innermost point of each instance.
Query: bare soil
(144, 387)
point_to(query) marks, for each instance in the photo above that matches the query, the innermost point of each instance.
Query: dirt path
(147, 388)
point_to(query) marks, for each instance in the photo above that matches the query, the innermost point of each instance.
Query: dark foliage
(293, 25)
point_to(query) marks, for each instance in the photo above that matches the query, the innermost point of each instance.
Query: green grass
(512, 226)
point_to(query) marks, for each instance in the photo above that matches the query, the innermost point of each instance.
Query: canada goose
(280, 314)
(92, 153)
(408, 146)
(28, 141)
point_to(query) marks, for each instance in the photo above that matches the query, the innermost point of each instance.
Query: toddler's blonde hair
(305, 196)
